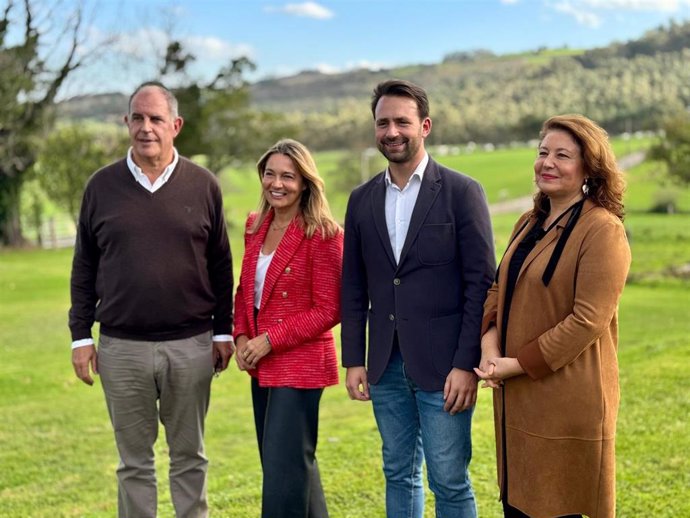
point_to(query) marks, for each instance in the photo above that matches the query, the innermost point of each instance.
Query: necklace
(277, 228)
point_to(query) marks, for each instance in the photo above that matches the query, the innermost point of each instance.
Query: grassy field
(504, 173)
(57, 455)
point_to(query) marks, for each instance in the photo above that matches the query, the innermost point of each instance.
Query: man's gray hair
(169, 96)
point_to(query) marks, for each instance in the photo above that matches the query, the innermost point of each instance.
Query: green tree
(219, 122)
(70, 155)
(674, 149)
(28, 86)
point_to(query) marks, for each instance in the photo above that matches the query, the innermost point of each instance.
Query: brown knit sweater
(151, 266)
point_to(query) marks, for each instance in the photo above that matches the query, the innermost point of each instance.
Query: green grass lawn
(647, 186)
(57, 453)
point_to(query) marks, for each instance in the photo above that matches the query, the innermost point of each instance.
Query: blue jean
(414, 427)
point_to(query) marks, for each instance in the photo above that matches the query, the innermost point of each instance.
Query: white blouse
(261, 268)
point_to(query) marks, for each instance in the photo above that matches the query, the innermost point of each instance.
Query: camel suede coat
(560, 417)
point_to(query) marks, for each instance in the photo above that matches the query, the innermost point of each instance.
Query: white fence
(55, 232)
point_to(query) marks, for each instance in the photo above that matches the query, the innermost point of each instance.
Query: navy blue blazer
(434, 296)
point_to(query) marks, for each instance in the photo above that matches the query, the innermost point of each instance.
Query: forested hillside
(481, 97)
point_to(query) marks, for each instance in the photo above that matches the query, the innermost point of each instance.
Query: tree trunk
(10, 221)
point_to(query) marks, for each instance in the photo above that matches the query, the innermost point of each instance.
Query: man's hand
(222, 352)
(357, 384)
(82, 358)
(460, 391)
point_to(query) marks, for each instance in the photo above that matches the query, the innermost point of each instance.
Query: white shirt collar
(418, 172)
(141, 178)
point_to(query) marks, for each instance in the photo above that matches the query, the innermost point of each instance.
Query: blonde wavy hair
(604, 179)
(315, 214)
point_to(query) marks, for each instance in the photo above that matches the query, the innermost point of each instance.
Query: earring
(585, 187)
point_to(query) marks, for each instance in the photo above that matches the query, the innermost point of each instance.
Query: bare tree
(28, 86)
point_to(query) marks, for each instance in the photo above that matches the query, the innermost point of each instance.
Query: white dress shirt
(400, 204)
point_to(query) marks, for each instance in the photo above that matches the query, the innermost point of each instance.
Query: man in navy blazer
(418, 261)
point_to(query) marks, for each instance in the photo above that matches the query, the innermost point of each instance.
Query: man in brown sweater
(152, 264)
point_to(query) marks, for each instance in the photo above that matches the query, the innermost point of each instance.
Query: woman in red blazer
(287, 301)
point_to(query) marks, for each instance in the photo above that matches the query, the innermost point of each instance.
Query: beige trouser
(145, 381)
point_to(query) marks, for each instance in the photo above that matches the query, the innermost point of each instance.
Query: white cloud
(509, 2)
(207, 47)
(582, 17)
(94, 41)
(638, 5)
(138, 54)
(591, 12)
(369, 65)
(325, 68)
(144, 43)
(305, 9)
(141, 43)
(176, 11)
(122, 61)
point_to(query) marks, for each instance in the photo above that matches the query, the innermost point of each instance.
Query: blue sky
(285, 37)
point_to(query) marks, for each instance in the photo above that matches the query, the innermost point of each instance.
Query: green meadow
(57, 453)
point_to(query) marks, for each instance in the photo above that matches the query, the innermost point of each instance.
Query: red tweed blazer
(300, 304)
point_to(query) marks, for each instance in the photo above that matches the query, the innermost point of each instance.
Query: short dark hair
(401, 88)
(169, 96)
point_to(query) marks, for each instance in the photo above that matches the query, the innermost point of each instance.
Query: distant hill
(103, 107)
(315, 91)
(480, 96)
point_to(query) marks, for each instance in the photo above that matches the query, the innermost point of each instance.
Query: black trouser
(287, 422)
(510, 512)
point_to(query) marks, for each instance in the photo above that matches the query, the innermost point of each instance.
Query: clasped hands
(495, 370)
(249, 352)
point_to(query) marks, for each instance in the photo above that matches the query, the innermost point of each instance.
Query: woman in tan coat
(550, 331)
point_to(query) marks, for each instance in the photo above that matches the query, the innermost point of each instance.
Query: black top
(516, 261)
(523, 249)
